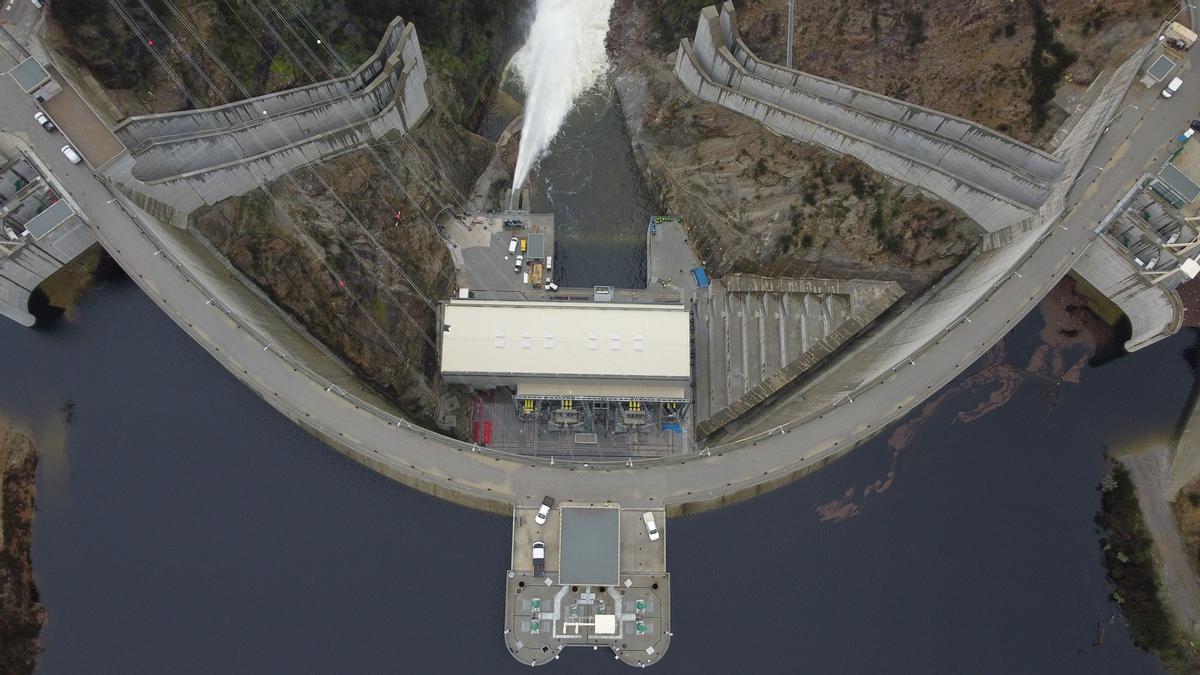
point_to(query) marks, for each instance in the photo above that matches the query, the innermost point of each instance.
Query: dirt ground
(21, 615)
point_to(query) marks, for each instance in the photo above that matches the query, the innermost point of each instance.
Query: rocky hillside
(365, 300)
(219, 48)
(761, 203)
(997, 62)
(21, 615)
(348, 251)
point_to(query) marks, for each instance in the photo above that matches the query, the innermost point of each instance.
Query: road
(1136, 141)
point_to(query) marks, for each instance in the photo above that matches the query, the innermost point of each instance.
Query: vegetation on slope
(1129, 557)
(998, 62)
(271, 46)
(21, 614)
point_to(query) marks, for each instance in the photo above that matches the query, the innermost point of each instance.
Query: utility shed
(56, 214)
(1179, 182)
(29, 75)
(1161, 67)
(536, 247)
(589, 543)
(591, 350)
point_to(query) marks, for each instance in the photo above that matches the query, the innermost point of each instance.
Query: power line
(190, 96)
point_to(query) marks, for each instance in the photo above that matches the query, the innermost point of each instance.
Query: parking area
(81, 127)
(490, 270)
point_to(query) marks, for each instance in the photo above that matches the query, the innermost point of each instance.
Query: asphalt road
(418, 456)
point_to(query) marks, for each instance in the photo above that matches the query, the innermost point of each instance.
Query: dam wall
(135, 131)
(947, 157)
(982, 140)
(703, 67)
(171, 176)
(1154, 312)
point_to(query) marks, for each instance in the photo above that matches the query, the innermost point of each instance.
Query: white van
(512, 246)
(72, 156)
(651, 528)
(1172, 87)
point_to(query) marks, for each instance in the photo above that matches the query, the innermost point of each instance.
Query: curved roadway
(495, 482)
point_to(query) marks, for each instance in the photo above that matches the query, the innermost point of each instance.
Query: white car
(651, 528)
(72, 156)
(1172, 87)
(512, 246)
(519, 264)
(544, 511)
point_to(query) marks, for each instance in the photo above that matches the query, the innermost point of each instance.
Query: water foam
(563, 58)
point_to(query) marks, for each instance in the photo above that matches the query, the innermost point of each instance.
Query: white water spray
(563, 57)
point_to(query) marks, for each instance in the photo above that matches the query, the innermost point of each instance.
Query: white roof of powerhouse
(566, 338)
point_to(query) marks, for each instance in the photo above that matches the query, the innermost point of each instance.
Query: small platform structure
(605, 584)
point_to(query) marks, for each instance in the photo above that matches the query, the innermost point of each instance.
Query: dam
(770, 378)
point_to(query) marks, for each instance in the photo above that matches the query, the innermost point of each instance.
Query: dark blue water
(183, 526)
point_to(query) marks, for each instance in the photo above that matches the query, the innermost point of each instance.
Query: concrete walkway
(494, 481)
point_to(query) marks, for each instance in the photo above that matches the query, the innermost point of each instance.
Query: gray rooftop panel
(1160, 68)
(537, 247)
(29, 74)
(1179, 182)
(589, 543)
(54, 215)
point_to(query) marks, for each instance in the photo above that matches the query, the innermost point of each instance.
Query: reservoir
(184, 526)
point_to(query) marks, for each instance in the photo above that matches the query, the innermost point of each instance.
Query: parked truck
(1178, 36)
(539, 559)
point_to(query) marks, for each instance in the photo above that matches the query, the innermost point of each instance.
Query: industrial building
(575, 377)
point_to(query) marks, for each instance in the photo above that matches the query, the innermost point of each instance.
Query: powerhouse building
(568, 350)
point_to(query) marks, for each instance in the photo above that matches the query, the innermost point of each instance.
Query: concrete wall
(992, 211)
(906, 335)
(160, 159)
(25, 268)
(1018, 156)
(970, 166)
(182, 173)
(760, 345)
(145, 128)
(1185, 458)
(1154, 312)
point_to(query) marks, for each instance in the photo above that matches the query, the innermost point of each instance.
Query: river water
(590, 182)
(184, 526)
